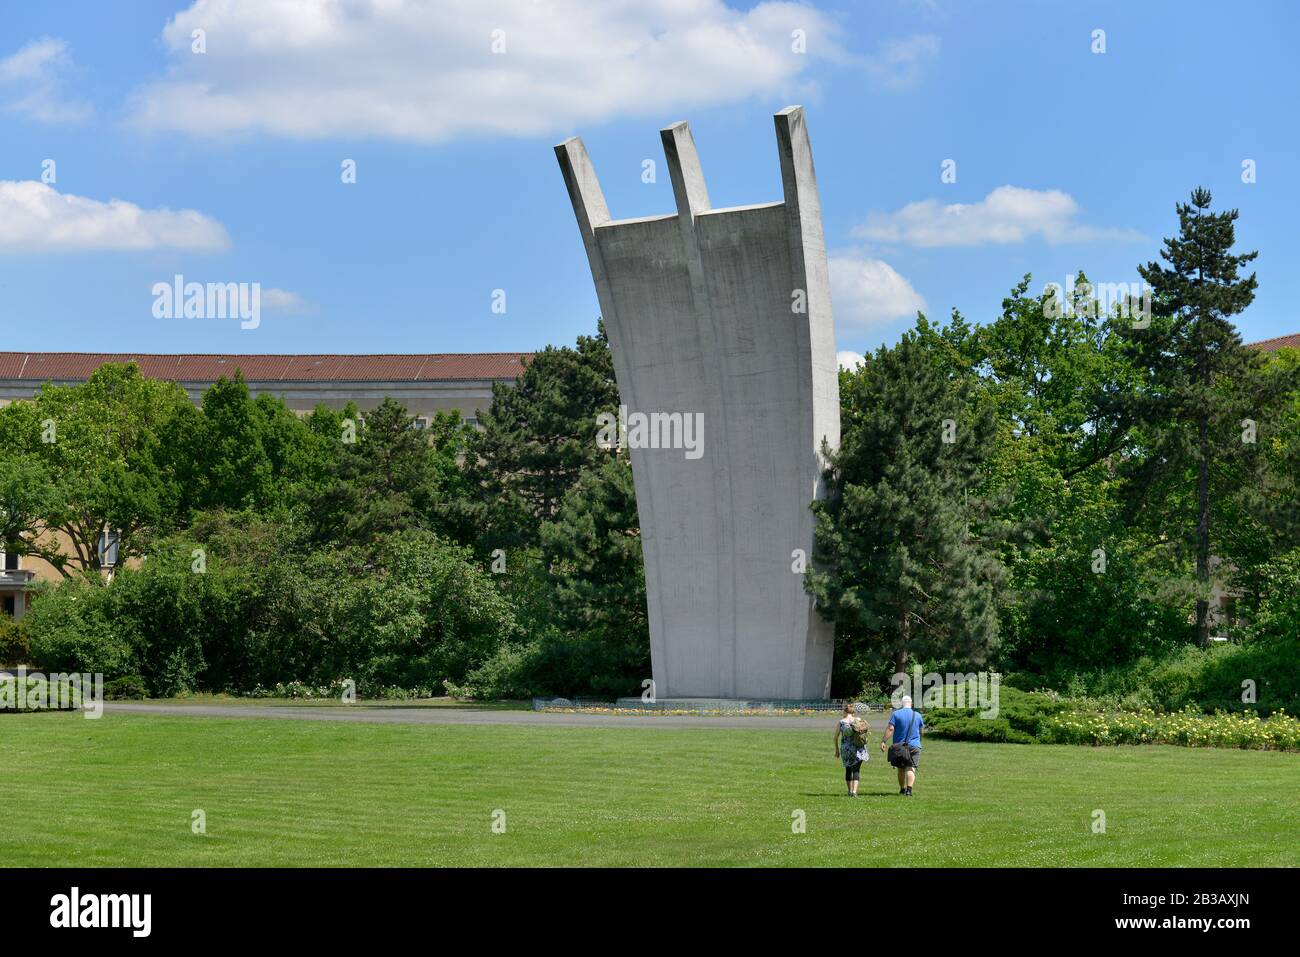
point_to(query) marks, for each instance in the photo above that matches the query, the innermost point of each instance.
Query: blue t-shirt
(900, 719)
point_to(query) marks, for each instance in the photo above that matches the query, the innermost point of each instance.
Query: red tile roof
(62, 366)
(1281, 342)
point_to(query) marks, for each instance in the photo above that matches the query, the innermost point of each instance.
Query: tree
(901, 562)
(240, 453)
(389, 479)
(540, 434)
(28, 493)
(593, 551)
(1203, 398)
(99, 444)
(1054, 366)
(1055, 369)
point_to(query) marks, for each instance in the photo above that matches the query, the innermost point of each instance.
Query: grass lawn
(120, 791)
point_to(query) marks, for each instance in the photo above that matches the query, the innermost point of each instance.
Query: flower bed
(1279, 732)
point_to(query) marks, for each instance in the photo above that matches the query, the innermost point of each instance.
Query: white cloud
(425, 71)
(35, 217)
(1009, 214)
(31, 81)
(899, 63)
(869, 292)
(848, 360)
(286, 303)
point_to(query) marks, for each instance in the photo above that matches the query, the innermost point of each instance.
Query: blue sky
(226, 164)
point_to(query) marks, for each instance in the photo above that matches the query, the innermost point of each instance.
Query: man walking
(906, 725)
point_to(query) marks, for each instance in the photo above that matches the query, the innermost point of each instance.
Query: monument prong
(689, 188)
(798, 177)
(584, 187)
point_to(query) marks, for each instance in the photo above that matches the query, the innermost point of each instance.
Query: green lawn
(121, 790)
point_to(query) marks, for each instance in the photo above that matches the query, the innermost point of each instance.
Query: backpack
(859, 732)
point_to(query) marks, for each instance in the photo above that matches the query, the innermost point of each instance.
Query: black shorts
(853, 772)
(916, 756)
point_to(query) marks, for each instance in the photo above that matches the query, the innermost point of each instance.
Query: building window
(108, 542)
(10, 605)
(10, 563)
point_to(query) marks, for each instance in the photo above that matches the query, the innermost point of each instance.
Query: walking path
(396, 714)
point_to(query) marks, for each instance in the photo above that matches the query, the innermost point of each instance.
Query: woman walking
(851, 746)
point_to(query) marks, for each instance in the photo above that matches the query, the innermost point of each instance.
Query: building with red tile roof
(1280, 342)
(424, 383)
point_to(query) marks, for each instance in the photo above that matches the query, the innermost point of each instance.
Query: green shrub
(504, 675)
(430, 613)
(14, 647)
(586, 663)
(1018, 720)
(297, 689)
(262, 610)
(967, 728)
(1209, 679)
(71, 627)
(126, 688)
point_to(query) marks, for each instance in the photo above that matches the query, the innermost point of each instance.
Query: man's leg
(911, 778)
(902, 779)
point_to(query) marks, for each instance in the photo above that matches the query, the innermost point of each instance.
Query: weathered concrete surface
(701, 310)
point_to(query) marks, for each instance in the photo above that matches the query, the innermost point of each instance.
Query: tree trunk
(1203, 534)
(900, 653)
(1203, 478)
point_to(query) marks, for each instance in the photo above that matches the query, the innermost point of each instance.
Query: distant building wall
(425, 384)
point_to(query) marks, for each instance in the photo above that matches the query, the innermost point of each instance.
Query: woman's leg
(851, 773)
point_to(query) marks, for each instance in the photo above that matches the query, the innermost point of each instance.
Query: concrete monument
(724, 317)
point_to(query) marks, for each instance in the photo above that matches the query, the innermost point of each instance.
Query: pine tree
(388, 480)
(1203, 398)
(540, 434)
(902, 563)
(592, 549)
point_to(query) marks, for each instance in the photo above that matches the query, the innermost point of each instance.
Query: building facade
(425, 384)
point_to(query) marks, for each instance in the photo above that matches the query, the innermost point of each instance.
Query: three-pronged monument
(725, 315)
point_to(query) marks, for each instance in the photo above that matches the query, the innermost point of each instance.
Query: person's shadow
(840, 794)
